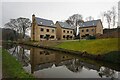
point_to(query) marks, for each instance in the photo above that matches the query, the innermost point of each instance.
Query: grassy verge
(12, 68)
(98, 46)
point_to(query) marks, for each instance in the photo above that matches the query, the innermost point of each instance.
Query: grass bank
(98, 46)
(12, 68)
(99, 49)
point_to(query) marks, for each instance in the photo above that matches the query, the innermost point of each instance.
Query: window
(47, 30)
(52, 30)
(52, 37)
(70, 31)
(41, 52)
(92, 30)
(64, 31)
(63, 36)
(41, 36)
(47, 53)
(87, 30)
(67, 31)
(82, 30)
(41, 29)
(33, 33)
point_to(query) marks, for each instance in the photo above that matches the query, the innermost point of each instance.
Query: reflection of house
(64, 31)
(62, 60)
(41, 59)
(91, 66)
(43, 66)
(66, 62)
(90, 28)
(42, 29)
(40, 56)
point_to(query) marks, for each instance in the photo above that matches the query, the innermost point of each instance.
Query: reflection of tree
(22, 57)
(106, 72)
(75, 66)
(15, 50)
(7, 45)
(20, 54)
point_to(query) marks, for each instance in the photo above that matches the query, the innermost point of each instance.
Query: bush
(91, 37)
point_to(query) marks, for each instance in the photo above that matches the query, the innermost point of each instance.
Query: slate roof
(89, 23)
(44, 22)
(65, 25)
(43, 66)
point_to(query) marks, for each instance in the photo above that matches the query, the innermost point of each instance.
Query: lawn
(11, 68)
(98, 46)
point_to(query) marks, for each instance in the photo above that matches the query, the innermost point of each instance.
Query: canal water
(52, 64)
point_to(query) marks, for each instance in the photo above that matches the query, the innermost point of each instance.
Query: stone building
(42, 29)
(90, 28)
(64, 31)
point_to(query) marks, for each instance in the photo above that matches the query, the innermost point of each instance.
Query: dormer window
(51, 24)
(40, 22)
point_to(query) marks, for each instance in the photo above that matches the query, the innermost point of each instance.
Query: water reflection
(41, 59)
(44, 62)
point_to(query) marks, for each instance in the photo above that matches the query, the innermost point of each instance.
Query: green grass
(12, 68)
(98, 46)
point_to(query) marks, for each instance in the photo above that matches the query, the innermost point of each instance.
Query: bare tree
(69, 22)
(107, 72)
(89, 18)
(114, 14)
(74, 20)
(108, 15)
(20, 25)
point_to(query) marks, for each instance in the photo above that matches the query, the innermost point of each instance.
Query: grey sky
(55, 11)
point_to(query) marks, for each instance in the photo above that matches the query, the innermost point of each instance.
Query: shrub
(91, 37)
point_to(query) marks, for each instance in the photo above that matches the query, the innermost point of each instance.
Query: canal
(52, 64)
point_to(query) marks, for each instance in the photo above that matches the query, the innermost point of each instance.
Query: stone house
(42, 29)
(64, 31)
(93, 27)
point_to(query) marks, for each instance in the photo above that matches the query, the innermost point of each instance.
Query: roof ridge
(44, 19)
(92, 20)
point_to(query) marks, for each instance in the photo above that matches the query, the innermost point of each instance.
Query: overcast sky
(54, 10)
